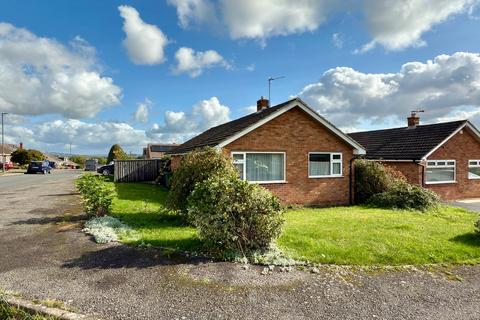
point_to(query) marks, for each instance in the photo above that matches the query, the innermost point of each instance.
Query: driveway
(43, 255)
(469, 204)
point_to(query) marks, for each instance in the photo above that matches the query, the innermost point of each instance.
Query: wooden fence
(136, 170)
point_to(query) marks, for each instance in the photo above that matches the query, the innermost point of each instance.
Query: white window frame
(472, 166)
(244, 162)
(332, 161)
(436, 165)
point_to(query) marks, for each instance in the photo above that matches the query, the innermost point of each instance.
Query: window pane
(440, 163)
(336, 156)
(319, 164)
(237, 156)
(473, 163)
(451, 163)
(337, 168)
(431, 163)
(265, 167)
(440, 174)
(474, 173)
(239, 167)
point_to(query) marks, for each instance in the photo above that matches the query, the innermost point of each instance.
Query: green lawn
(141, 206)
(366, 236)
(10, 312)
(341, 235)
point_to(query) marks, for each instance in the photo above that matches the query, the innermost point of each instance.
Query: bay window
(474, 169)
(323, 164)
(440, 171)
(260, 167)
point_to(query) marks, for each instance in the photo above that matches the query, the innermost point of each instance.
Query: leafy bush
(23, 156)
(196, 167)
(234, 214)
(105, 229)
(372, 177)
(403, 195)
(97, 194)
(477, 227)
(116, 153)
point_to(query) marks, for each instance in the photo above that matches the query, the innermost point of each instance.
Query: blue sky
(229, 49)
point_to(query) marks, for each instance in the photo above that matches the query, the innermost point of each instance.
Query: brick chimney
(414, 119)
(262, 104)
(21, 146)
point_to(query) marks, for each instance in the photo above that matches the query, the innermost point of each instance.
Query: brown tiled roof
(405, 143)
(216, 135)
(8, 148)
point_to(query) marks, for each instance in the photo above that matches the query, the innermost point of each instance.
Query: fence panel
(136, 170)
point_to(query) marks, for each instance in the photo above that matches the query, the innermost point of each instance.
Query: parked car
(39, 167)
(8, 166)
(91, 165)
(107, 169)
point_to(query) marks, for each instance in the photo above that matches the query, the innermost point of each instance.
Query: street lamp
(3, 145)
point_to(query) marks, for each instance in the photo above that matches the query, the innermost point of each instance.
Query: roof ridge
(399, 128)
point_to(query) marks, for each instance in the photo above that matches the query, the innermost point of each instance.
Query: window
(322, 164)
(474, 169)
(440, 171)
(260, 167)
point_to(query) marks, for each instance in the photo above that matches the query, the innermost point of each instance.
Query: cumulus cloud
(42, 76)
(141, 114)
(400, 24)
(145, 43)
(441, 86)
(393, 24)
(194, 62)
(194, 12)
(203, 115)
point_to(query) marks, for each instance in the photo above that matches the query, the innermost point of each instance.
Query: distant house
(157, 150)
(289, 149)
(7, 151)
(444, 157)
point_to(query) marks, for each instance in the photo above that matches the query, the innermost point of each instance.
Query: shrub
(477, 227)
(116, 153)
(372, 177)
(97, 194)
(234, 214)
(403, 195)
(196, 167)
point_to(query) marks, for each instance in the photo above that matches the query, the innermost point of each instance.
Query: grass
(141, 206)
(366, 236)
(342, 235)
(9, 312)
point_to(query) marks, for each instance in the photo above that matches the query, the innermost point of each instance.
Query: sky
(93, 73)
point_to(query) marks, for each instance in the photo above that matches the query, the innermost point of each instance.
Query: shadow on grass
(121, 256)
(471, 239)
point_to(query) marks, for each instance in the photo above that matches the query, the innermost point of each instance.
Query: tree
(20, 156)
(102, 160)
(116, 153)
(80, 160)
(35, 155)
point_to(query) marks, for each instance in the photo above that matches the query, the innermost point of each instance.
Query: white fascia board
(448, 138)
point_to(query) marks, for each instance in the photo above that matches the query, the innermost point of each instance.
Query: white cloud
(141, 114)
(194, 12)
(400, 24)
(203, 115)
(145, 43)
(194, 62)
(440, 86)
(42, 76)
(337, 40)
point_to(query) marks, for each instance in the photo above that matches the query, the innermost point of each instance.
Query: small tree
(116, 153)
(35, 155)
(20, 156)
(196, 167)
(80, 160)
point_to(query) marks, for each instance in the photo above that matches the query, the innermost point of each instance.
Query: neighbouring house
(444, 157)
(7, 151)
(156, 150)
(289, 149)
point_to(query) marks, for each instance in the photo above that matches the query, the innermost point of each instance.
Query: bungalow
(289, 149)
(444, 157)
(157, 151)
(7, 150)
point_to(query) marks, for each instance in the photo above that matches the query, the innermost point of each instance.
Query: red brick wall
(297, 134)
(411, 170)
(462, 147)
(175, 162)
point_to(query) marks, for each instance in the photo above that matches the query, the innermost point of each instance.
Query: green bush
(372, 177)
(477, 227)
(116, 153)
(235, 215)
(196, 167)
(403, 195)
(97, 194)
